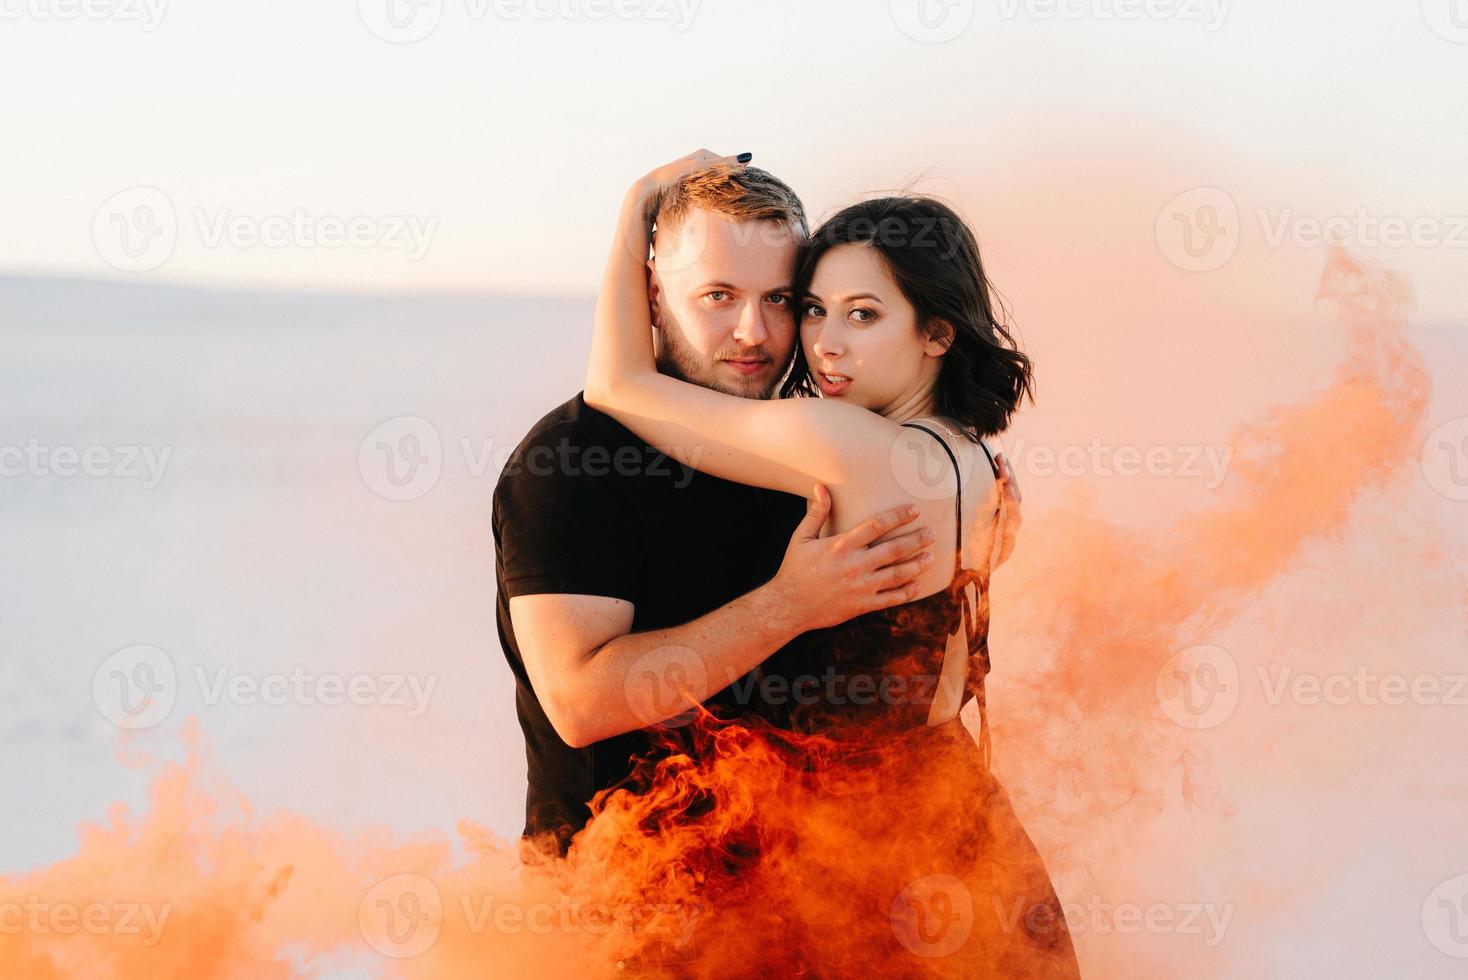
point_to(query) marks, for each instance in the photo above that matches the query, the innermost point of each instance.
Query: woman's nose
(827, 343)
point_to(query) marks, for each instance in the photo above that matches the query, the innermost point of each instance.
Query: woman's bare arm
(783, 444)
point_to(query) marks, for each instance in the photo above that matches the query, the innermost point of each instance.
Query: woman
(907, 848)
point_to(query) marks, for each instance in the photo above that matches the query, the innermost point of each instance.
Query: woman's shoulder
(922, 444)
(855, 437)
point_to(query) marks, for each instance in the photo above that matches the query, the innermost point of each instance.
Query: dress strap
(957, 499)
(975, 621)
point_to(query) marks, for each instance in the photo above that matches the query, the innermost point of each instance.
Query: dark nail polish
(745, 157)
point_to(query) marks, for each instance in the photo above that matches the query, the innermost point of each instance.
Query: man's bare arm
(596, 679)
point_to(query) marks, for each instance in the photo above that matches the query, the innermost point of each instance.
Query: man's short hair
(740, 193)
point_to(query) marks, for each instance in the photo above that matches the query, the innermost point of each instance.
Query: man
(630, 585)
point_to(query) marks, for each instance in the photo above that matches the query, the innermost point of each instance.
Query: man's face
(722, 304)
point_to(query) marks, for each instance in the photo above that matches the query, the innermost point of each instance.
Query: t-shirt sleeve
(564, 532)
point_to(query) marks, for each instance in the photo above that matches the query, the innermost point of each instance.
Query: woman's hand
(648, 191)
(1009, 515)
(622, 356)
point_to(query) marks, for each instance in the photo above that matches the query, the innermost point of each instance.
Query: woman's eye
(813, 309)
(862, 315)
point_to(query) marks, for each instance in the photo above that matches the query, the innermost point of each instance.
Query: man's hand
(825, 581)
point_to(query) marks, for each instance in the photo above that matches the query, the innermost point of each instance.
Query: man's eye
(718, 295)
(779, 300)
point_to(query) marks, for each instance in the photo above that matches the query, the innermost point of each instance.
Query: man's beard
(677, 360)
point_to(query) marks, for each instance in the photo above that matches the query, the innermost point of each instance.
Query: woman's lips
(832, 387)
(748, 367)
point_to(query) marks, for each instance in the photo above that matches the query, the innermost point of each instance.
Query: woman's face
(860, 334)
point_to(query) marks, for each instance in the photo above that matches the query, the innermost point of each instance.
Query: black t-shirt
(583, 506)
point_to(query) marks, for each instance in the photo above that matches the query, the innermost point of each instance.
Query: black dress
(911, 855)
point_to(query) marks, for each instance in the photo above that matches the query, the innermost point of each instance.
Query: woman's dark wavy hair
(934, 258)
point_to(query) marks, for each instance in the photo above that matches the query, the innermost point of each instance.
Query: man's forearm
(641, 679)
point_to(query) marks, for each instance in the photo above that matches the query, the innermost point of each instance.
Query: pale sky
(490, 153)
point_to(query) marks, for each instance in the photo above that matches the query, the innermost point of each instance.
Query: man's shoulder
(562, 433)
(573, 422)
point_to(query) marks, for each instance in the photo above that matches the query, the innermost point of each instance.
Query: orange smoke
(730, 865)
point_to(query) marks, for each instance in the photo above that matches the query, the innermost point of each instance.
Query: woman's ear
(654, 293)
(938, 337)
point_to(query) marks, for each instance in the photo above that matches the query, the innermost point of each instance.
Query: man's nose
(751, 330)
